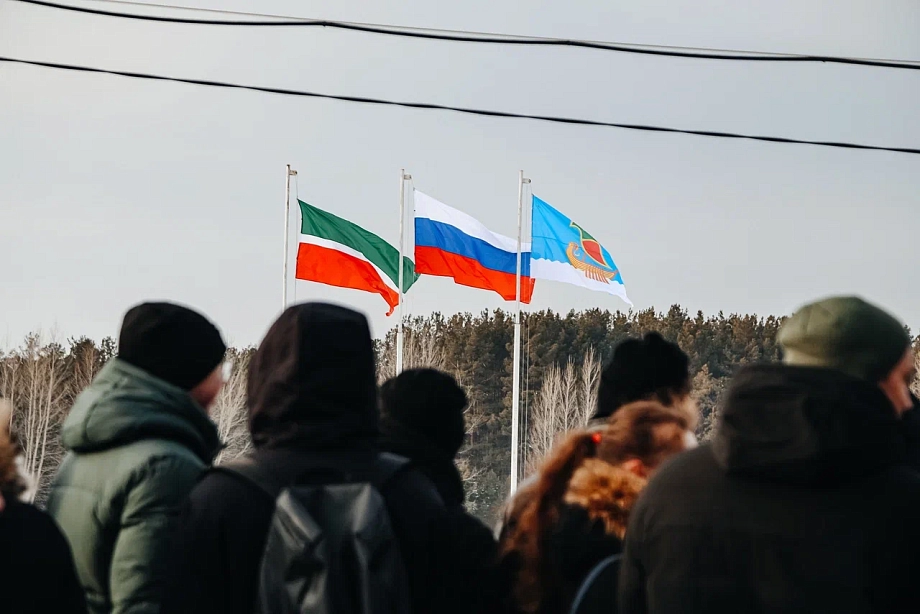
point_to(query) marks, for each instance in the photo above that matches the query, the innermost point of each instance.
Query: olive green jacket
(136, 447)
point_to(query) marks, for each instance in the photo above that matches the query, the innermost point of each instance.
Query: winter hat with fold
(171, 342)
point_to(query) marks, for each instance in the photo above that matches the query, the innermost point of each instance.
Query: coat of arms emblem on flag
(588, 257)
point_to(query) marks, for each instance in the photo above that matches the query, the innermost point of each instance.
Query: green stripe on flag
(319, 223)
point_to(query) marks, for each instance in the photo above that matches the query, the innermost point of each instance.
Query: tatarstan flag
(336, 252)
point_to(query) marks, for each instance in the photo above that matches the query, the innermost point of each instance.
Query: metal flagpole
(402, 223)
(287, 232)
(516, 373)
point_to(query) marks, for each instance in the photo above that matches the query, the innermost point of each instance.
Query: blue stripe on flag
(429, 233)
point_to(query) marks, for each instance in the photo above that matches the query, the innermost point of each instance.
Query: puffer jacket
(803, 502)
(136, 447)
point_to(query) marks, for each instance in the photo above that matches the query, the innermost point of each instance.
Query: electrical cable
(477, 37)
(466, 110)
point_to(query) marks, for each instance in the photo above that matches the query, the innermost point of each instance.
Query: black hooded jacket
(473, 550)
(312, 408)
(801, 503)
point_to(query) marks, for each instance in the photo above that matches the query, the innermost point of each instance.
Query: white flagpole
(287, 232)
(402, 223)
(516, 373)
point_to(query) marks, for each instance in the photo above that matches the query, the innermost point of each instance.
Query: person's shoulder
(411, 481)
(143, 458)
(685, 476)
(410, 494)
(34, 526)
(221, 486)
(696, 464)
(19, 511)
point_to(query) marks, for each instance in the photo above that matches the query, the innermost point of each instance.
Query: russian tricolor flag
(450, 243)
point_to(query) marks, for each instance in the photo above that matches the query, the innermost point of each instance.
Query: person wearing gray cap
(803, 501)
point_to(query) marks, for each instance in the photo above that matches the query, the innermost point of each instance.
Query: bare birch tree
(421, 350)
(543, 422)
(589, 380)
(86, 361)
(37, 385)
(566, 401)
(229, 409)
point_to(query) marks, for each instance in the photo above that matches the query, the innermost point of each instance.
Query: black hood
(806, 426)
(312, 381)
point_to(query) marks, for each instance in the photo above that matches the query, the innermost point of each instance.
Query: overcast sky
(114, 190)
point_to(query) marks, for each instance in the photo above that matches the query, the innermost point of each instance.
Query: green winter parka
(136, 447)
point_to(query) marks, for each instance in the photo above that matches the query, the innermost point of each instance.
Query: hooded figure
(422, 420)
(312, 410)
(803, 501)
(138, 438)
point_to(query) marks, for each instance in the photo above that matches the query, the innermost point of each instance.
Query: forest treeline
(562, 359)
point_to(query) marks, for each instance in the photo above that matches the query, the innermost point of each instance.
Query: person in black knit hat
(421, 418)
(641, 369)
(646, 369)
(171, 342)
(138, 439)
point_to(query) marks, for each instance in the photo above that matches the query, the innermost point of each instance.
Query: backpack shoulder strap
(246, 469)
(596, 571)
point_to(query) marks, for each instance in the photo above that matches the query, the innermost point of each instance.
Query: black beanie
(171, 342)
(428, 402)
(641, 369)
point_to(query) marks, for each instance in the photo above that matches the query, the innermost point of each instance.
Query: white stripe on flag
(432, 209)
(321, 242)
(566, 273)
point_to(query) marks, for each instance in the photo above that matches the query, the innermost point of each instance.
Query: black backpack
(331, 547)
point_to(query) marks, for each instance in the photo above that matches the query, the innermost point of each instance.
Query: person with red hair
(580, 504)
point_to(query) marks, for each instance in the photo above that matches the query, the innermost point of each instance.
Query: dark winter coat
(37, 574)
(475, 552)
(312, 405)
(136, 447)
(437, 464)
(801, 503)
(587, 529)
(578, 544)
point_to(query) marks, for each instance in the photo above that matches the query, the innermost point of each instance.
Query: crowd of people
(351, 500)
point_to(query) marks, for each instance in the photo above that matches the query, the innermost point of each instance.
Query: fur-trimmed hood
(606, 493)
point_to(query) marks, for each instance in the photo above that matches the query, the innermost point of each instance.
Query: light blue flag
(564, 251)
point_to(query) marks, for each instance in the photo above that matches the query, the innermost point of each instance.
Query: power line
(476, 37)
(466, 110)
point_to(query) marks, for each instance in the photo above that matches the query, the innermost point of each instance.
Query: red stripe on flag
(330, 266)
(470, 272)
